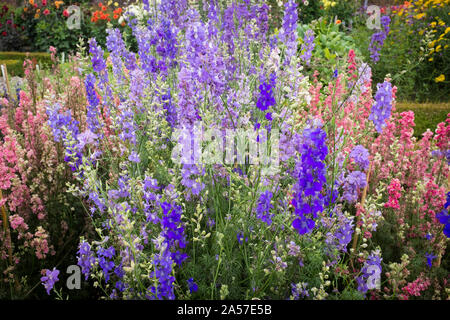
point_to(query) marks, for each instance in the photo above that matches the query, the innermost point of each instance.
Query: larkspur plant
(355, 210)
(378, 38)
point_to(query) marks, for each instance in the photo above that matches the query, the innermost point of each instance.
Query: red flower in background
(44, 2)
(46, 12)
(4, 33)
(65, 13)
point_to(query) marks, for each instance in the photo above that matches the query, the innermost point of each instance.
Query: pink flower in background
(394, 194)
(46, 12)
(16, 221)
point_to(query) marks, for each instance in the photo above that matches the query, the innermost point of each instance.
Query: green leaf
(328, 55)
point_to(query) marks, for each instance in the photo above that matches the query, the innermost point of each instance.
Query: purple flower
(92, 107)
(98, 63)
(87, 137)
(128, 126)
(65, 129)
(381, 109)
(370, 273)
(163, 266)
(173, 231)
(308, 198)
(361, 156)
(342, 236)
(193, 287)
(107, 266)
(335, 73)
(264, 206)
(50, 278)
(134, 157)
(240, 237)
(289, 33)
(308, 46)
(299, 291)
(377, 40)
(171, 111)
(266, 97)
(116, 47)
(352, 183)
(444, 217)
(86, 258)
(430, 257)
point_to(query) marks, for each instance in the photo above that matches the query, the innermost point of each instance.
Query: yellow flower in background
(419, 16)
(36, 16)
(116, 4)
(431, 59)
(447, 30)
(440, 78)
(438, 48)
(327, 4)
(31, 2)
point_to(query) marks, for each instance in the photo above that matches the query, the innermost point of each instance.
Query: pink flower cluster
(394, 190)
(415, 288)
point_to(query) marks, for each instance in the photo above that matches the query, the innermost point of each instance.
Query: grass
(426, 115)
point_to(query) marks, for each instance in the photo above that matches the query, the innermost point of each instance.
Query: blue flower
(308, 199)
(193, 287)
(444, 217)
(381, 109)
(361, 156)
(308, 46)
(370, 273)
(377, 40)
(134, 157)
(86, 258)
(430, 257)
(240, 237)
(335, 73)
(264, 206)
(266, 95)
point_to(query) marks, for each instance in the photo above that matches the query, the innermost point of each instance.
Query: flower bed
(217, 162)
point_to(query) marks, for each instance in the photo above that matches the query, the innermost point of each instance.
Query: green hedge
(15, 67)
(14, 61)
(426, 115)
